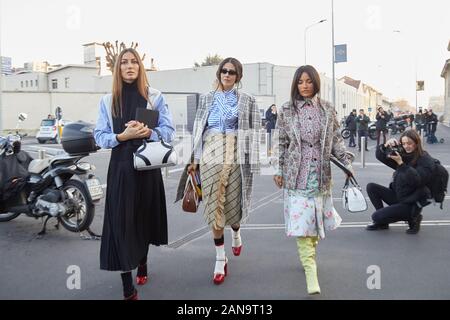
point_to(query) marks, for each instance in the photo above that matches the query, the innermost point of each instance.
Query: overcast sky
(177, 33)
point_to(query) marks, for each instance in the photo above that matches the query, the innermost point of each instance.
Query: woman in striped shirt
(222, 127)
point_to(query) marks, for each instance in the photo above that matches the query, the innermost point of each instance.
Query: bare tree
(112, 51)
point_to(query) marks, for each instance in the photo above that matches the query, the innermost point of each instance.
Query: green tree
(210, 60)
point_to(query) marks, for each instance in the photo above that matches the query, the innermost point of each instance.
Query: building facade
(77, 89)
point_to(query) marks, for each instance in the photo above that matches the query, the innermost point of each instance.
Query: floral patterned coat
(289, 146)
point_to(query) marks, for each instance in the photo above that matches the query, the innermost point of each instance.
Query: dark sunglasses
(230, 72)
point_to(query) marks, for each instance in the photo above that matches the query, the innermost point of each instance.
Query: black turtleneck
(131, 100)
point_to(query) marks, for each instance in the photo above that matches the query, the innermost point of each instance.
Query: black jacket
(271, 120)
(350, 122)
(381, 122)
(363, 122)
(410, 182)
(432, 122)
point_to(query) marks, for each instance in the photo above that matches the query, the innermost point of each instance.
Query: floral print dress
(307, 212)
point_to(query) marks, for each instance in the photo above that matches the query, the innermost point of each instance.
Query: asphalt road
(349, 259)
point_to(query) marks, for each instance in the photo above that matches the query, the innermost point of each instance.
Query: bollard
(41, 154)
(363, 152)
(422, 137)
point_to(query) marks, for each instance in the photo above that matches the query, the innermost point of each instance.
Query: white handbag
(154, 155)
(352, 197)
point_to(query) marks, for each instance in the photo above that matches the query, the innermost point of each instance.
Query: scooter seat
(38, 165)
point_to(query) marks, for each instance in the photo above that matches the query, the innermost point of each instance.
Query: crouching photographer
(408, 192)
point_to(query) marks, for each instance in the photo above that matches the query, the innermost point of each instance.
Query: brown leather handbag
(190, 198)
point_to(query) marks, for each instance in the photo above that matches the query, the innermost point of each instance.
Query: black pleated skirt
(135, 212)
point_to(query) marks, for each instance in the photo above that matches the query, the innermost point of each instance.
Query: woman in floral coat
(308, 136)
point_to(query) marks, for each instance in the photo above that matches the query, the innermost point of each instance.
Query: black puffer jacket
(410, 182)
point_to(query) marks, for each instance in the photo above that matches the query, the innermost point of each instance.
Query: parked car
(48, 130)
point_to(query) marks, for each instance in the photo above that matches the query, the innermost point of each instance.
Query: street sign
(340, 53)
(369, 109)
(420, 85)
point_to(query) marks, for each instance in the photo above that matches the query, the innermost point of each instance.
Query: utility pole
(332, 47)
(1, 76)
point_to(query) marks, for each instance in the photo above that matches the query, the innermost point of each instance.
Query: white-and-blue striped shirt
(223, 115)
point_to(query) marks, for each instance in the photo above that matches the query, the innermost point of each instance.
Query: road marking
(201, 232)
(276, 226)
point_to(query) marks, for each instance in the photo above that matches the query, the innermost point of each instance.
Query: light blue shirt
(107, 139)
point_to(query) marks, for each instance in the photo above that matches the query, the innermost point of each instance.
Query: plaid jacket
(289, 146)
(249, 126)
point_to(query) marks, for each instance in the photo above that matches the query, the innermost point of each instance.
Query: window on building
(21, 84)
(66, 80)
(31, 83)
(26, 83)
(36, 82)
(54, 83)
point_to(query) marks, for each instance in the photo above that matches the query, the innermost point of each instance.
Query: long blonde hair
(141, 81)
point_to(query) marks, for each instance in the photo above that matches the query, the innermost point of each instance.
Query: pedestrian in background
(350, 123)
(135, 207)
(226, 151)
(381, 124)
(432, 122)
(425, 121)
(362, 123)
(271, 120)
(308, 136)
(419, 121)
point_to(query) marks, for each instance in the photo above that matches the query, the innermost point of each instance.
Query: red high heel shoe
(236, 250)
(141, 280)
(219, 277)
(134, 296)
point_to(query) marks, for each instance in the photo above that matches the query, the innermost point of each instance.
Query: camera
(391, 150)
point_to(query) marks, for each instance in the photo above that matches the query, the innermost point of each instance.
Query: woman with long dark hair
(135, 208)
(308, 136)
(408, 191)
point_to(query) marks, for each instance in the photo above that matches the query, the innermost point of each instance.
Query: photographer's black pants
(362, 133)
(394, 212)
(379, 133)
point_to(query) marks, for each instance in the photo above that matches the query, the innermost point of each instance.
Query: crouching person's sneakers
(375, 226)
(414, 224)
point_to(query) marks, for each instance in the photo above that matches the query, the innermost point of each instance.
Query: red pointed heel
(141, 280)
(219, 278)
(236, 250)
(134, 296)
(141, 277)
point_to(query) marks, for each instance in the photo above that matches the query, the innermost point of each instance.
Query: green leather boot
(307, 253)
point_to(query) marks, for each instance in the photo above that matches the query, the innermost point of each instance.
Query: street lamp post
(306, 29)
(332, 55)
(415, 68)
(1, 74)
